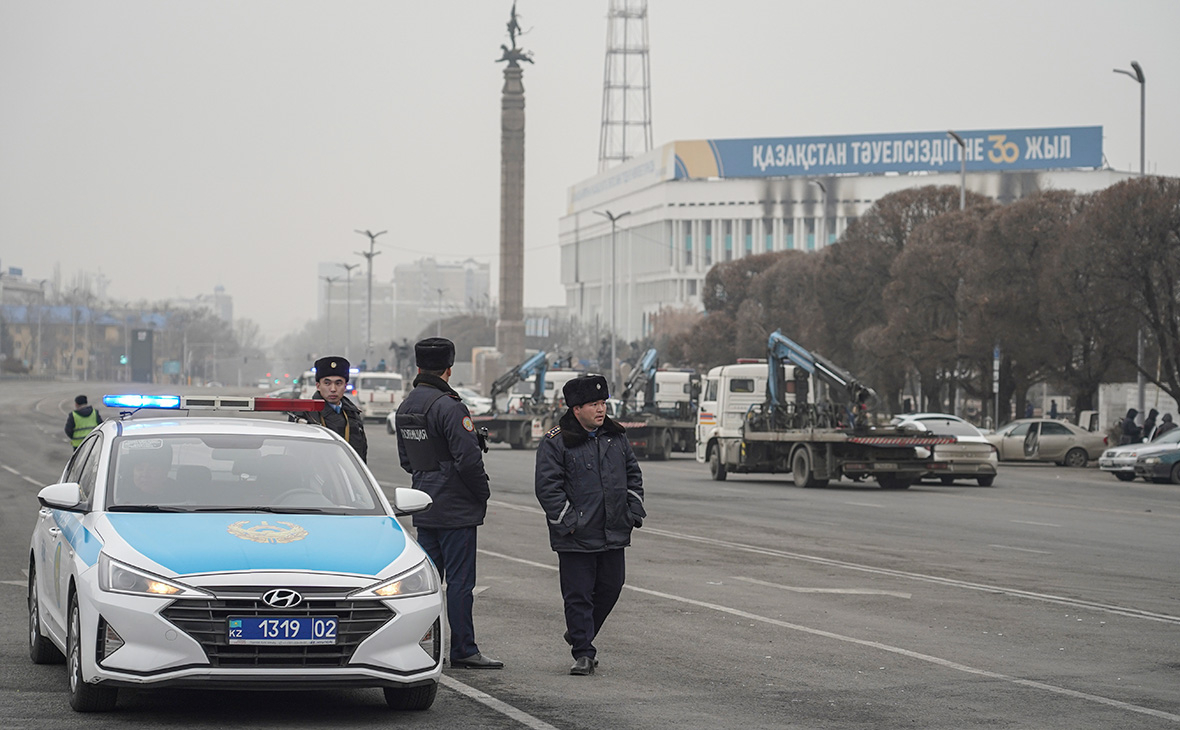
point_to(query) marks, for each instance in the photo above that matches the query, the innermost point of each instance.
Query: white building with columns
(692, 204)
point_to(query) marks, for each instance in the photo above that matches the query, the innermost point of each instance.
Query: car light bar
(212, 403)
(141, 401)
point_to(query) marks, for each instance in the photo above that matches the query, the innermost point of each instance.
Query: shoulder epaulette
(553, 432)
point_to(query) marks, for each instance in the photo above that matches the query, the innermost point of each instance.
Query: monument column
(510, 325)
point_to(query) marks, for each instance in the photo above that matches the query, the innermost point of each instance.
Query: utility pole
(369, 256)
(328, 307)
(1140, 77)
(614, 219)
(348, 305)
(438, 322)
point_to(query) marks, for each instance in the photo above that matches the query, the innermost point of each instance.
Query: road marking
(14, 582)
(491, 702)
(865, 504)
(9, 469)
(1022, 550)
(1038, 524)
(986, 588)
(946, 663)
(850, 591)
(735, 490)
(30, 480)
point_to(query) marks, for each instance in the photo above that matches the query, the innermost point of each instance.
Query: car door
(1012, 444)
(53, 548)
(707, 419)
(1031, 447)
(1056, 439)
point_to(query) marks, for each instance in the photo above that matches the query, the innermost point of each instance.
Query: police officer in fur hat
(438, 445)
(590, 486)
(340, 414)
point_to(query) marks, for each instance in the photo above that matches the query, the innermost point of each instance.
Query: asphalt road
(1049, 600)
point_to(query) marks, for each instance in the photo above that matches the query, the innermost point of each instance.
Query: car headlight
(116, 577)
(1151, 460)
(420, 581)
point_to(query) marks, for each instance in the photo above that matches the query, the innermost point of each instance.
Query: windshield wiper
(145, 508)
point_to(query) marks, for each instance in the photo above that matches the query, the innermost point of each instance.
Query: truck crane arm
(536, 365)
(643, 377)
(781, 348)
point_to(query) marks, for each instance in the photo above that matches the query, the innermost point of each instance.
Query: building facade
(429, 290)
(692, 204)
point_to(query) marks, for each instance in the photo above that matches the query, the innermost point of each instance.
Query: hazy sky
(176, 146)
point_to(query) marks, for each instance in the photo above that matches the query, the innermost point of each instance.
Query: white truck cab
(727, 393)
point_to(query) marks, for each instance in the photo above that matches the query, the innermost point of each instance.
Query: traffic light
(122, 359)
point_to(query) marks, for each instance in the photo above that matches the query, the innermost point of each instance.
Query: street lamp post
(822, 228)
(962, 169)
(369, 316)
(614, 219)
(348, 306)
(328, 307)
(962, 206)
(1139, 76)
(438, 322)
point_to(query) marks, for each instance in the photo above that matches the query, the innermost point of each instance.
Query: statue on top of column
(514, 54)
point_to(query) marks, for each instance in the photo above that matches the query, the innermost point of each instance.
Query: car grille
(207, 622)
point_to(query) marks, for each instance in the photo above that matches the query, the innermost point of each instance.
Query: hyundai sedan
(232, 553)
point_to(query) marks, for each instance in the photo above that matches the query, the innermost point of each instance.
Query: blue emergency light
(141, 401)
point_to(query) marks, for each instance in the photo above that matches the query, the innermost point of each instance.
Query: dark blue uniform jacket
(460, 486)
(591, 488)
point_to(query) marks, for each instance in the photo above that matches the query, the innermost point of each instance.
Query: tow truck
(666, 421)
(519, 422)
(747, 424)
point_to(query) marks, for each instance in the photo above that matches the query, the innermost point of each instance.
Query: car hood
(186, 544)
(1155, 450)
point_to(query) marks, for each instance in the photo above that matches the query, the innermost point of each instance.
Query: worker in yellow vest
(81, 421)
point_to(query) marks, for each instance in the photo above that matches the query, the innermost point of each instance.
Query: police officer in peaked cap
(340, 414)
(438, 445)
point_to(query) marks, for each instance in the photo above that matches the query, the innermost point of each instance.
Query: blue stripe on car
(85, 543)
(204, 543)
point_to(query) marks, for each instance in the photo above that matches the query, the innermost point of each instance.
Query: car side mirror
(407, 501)
(65, 496)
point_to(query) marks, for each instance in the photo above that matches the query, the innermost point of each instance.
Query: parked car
(1044, 439)
(476, 403)
(232, 553)
(287, 391)
(1120, 460)
(970, 457)
(1160, 467)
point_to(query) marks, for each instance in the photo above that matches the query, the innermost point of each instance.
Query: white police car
(232, 553)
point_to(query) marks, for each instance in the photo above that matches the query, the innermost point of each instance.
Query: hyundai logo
(282, 598)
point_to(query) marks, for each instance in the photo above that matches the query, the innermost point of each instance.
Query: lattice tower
(626, 85)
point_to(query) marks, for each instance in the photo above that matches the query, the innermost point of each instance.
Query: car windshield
(237, 473)
(1171, 437)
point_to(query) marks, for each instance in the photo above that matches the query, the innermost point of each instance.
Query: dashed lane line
(9, 469)
(844, 591)
(938, 661)
(498, 705)
(31, 480)
(1020, 549)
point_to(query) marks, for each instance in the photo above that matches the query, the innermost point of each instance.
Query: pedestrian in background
(1131, 430)
(339, 414)
(1149, 425)
(590, 486)
(81, 421)
(437, 444)
(1165, 425)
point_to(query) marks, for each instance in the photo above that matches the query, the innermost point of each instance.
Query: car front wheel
(1176, 473)
(84, 697)
(1123, 476)
(41, 649)
(413, 699)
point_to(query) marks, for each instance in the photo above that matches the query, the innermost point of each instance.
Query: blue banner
(985, 150)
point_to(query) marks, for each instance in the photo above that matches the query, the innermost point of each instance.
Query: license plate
(886, 466)
(282, 630)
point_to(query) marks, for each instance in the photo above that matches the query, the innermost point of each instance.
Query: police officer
(437, 443)
(81, 421)
(591, 488)
(340, 414)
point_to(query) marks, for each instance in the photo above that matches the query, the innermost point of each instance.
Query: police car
(234, 553)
